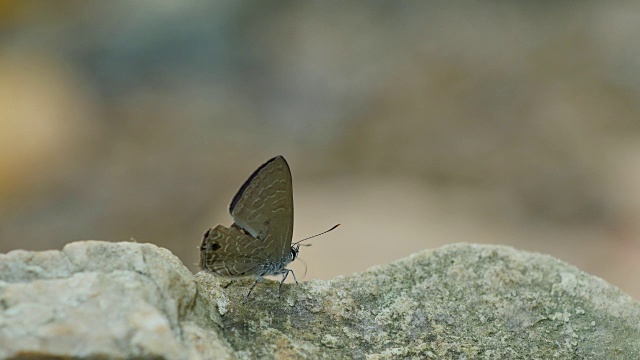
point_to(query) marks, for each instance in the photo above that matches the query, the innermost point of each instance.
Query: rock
(125, 300)
(100, 299)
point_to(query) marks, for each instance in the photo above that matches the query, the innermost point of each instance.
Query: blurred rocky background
(496, 122)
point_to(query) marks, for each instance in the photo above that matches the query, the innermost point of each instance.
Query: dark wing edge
(246, 184)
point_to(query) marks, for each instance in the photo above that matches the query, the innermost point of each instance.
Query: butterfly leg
(252, 286)
(284, 277)
(294, 277)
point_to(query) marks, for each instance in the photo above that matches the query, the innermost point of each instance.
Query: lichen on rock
(129, 300)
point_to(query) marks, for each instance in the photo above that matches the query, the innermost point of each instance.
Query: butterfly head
(295, 249)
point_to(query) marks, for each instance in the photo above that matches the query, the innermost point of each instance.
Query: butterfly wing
(263, 207)
(230, 252)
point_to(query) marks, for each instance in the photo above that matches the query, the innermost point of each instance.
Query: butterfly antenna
(311, 237)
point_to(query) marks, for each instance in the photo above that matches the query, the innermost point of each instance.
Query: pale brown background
(414, 124)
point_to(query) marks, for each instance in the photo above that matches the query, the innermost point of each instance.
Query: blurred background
(414, 124)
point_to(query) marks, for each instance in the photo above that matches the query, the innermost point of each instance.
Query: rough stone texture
(98, 299)
(123, 300)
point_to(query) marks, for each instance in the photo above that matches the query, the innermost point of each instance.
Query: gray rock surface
(124, 300)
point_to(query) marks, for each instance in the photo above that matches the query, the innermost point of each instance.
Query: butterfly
(258, 243)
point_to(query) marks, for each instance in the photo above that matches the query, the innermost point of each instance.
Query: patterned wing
(230, 252)
(263, 207)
